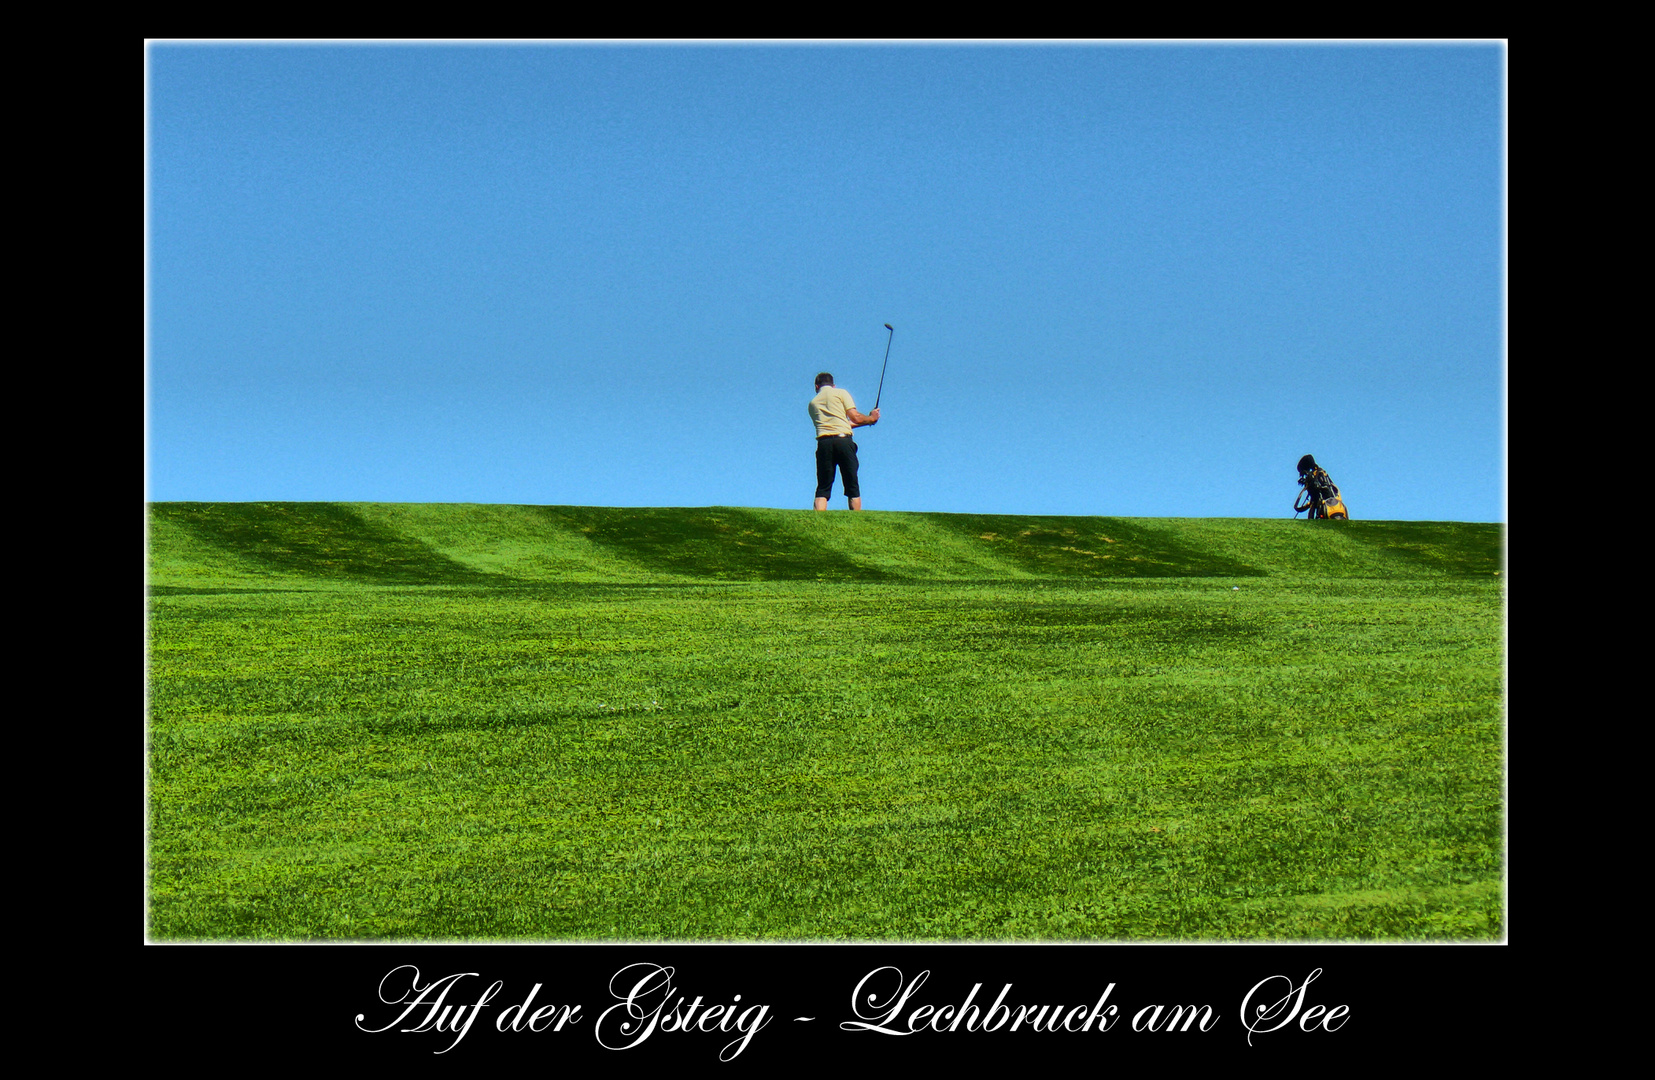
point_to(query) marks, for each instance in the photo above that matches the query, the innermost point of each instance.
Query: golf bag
(1319, 496)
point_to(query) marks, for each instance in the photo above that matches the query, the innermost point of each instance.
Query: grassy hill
(388, 543)
(392, 721)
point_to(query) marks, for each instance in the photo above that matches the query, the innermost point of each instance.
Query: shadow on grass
(321, 539)
(722, 543)
(1450, 547)
(1090, 547)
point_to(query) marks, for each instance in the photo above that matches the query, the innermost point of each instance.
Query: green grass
(419, 722)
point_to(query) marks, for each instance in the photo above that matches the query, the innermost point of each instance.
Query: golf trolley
(1319, 496)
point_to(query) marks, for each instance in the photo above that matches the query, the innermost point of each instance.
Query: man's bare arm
(861, 420)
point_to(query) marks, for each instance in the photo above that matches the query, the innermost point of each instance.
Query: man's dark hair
(824, 379)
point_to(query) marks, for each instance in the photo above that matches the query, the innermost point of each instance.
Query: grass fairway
(423, 722)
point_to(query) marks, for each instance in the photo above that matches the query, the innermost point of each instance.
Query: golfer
(834, 414)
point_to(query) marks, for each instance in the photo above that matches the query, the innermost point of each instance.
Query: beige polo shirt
(828, 409)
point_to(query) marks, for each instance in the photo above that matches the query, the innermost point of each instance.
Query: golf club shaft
(888, 338)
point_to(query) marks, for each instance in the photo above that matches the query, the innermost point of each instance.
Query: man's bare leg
(856, 503)
(821, 504)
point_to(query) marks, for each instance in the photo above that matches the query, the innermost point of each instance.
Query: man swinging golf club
(834, 414)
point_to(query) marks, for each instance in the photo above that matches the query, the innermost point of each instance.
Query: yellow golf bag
(1319, 496)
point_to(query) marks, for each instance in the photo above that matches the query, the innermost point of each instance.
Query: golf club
(888, 338)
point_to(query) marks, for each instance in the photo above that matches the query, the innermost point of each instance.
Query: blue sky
(1134, 280)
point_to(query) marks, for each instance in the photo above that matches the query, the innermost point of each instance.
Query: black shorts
(836, 451)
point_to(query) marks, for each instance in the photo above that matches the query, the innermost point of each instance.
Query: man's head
(824, 379)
